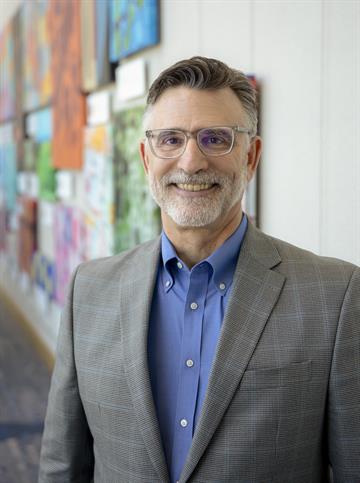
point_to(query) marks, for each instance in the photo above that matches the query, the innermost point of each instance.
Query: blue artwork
(134, 25)
(7, 167)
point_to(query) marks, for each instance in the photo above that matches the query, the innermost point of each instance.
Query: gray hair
(205, 73)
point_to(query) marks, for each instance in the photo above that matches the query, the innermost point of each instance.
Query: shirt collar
(223, 260)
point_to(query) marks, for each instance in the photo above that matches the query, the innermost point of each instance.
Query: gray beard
(203, 210)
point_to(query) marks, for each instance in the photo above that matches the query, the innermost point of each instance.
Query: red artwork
(68, 101)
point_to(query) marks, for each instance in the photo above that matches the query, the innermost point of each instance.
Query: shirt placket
(189, 367)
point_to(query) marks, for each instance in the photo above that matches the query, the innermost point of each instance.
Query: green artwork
(45, 171)
(137, 216)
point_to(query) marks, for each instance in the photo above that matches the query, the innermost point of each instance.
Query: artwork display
(134, 25)
(69, 236)
(38, 78)
(98, 192)
(39, 125)
(68, 101)
(71, 192)
(137, 215)
(45, 171)
(44, 275)
(7, 166)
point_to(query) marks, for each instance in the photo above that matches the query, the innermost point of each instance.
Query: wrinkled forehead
(188, 108)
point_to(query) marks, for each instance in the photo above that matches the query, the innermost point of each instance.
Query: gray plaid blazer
(283, 399)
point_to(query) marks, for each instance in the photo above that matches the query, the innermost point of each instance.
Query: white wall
(307, 56)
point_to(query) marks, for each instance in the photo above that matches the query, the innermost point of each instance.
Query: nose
(192, 160)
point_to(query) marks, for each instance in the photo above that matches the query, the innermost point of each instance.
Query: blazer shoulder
(108, 267)
(296, 256)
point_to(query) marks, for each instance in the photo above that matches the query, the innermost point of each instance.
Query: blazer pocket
(273, 377)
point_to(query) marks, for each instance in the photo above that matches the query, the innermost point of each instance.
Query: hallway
(24, 385)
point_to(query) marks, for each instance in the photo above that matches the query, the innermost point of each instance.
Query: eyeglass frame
(194, 135)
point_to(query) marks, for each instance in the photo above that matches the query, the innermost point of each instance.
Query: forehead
(191, 109)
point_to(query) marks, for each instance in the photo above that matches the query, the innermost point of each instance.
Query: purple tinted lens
(216, 140)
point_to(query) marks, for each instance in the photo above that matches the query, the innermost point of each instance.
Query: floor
(24, 386)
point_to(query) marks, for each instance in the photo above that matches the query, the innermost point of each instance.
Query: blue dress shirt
(187, 311)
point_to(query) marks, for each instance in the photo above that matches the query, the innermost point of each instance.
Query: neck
(195, 244)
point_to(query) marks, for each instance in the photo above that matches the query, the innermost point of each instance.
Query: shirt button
(183, 423)
(180, 265)
(168, 283)
(193, 306)
(222, 286)
(189, 363)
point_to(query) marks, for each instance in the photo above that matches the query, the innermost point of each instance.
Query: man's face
(194, 189)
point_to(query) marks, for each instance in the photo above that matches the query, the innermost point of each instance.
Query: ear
(253, 156)
(144, 156)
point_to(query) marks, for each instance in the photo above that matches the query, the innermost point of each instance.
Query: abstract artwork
(68, 246)
(68, 101)
(134, 25)
(38, 79)
(98, 192)
(137, 215)
(7, 167)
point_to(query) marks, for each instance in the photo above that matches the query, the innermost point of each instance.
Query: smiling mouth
(194, 187)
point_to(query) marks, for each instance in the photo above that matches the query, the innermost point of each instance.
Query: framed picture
(134, 26)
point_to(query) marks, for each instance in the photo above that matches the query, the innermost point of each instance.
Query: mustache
(180, 177)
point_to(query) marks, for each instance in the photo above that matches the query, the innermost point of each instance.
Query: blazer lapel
(136, 291)
(255, 291)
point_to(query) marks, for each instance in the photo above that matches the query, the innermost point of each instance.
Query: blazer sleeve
(344, 390)
(67, 445)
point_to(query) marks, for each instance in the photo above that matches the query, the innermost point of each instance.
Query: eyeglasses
(212, 141)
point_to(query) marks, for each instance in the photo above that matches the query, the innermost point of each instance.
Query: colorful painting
(69, 236)
(38, 80)
(68, 101)
(45, 171)
(98, 192)
(7, 167)
(137, 215)
(44, 275)
(134, 25)
(39, 125)
(7, 77)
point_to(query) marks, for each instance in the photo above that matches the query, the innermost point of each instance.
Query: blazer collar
(255, 291)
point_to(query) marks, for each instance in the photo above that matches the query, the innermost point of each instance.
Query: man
(215, 353)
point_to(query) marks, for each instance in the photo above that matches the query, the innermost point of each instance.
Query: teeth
(194, 187)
